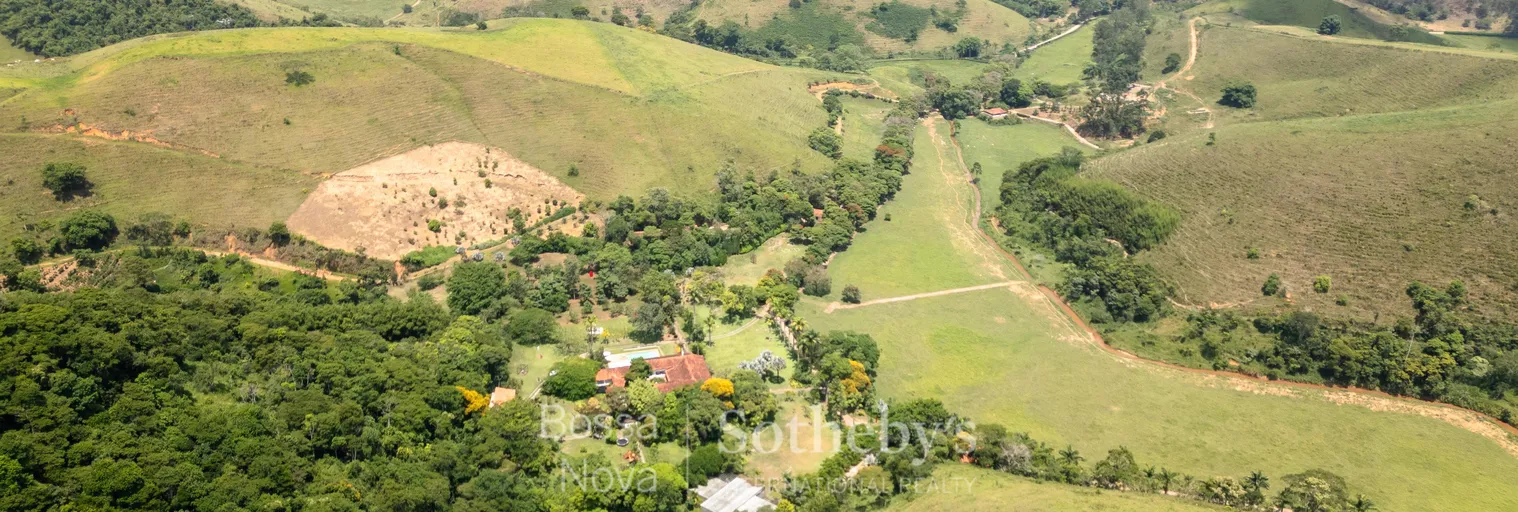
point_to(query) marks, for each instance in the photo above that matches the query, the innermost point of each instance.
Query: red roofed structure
(670, 372)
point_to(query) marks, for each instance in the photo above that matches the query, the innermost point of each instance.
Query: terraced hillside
(638, 110)
(1334, 173)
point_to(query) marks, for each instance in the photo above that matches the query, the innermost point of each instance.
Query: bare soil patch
(382, 208)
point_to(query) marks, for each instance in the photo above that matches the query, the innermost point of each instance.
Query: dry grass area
(384, 207)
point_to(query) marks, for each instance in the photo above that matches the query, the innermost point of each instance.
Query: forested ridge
(56, 28)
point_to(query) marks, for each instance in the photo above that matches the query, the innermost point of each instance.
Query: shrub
(1239, 95)
(1342, 300)
(279, 234)
(574, 170)
(64, 179)
(851, 294)
(817, 283)
(1330, 25)
(434, 225)
(1322, 284)
(405, 8)
(429, 282)
(1252, 253)
(299, 78)
(26, 250)
(1172, 63)
(1157, 135)
(1272, 285)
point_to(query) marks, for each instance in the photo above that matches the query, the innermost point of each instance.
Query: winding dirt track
(1181, 73)
(1481, 424)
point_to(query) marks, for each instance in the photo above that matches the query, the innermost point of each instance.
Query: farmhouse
(995, 113)
(669, 372)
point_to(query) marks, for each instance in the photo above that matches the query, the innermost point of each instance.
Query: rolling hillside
(638, 111)
(1335, 173)
(1309, 13)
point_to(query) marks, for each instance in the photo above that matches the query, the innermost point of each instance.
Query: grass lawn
(204, 190)
(1007, 356)
(530, 365)
(1059, 62)
(748, 268)
(799, 444)
(952, 486)
(738, 346)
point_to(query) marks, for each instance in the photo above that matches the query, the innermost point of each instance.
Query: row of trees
(904, 458)
(1446, 352)
(1117, 59)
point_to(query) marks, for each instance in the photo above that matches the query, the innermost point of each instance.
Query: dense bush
(64, 179)
(54, 28)
(1239, 95)
(897, 20)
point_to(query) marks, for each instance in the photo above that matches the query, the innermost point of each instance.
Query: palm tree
(1070, 456)
(1362, 504)
(1257, 481)
(1166, 478)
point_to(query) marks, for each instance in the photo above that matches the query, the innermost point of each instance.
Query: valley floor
(1007, 353)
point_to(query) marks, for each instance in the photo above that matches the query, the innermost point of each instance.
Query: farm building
(669, 372)
(995, 113)
(735, 495)
(502, 395)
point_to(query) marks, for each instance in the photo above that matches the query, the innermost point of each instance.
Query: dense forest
(55, 28)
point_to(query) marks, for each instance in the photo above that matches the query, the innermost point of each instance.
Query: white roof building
(735, 495)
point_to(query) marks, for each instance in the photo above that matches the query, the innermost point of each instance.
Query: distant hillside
(1310, 13)
(1374, 165)
(632, 111)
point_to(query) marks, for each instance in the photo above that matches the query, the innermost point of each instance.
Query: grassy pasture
(10, 53)
(863, 125)
(1004, 148)
(640, 110)
(1007, 356)
(1373, 201)
(927, 245)
(1062, 61)
(132, 179)
(1299, 77)
(747, 269)
(953, 486)
(1489, 43)
(1309, 14)
(849, 19)
(910, 72)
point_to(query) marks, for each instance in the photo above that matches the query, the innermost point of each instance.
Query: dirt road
(1506, 436)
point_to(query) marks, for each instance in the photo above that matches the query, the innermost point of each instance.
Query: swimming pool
(625, 358)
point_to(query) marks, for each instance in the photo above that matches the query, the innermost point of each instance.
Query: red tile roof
(995, 111)
(678, 371)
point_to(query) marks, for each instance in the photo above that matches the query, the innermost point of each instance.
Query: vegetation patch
(897, 20)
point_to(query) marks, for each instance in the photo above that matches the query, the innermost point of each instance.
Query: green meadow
(1006, 355)
(1060, 62)
(999, 149)
(953, 486)
(1308, 14)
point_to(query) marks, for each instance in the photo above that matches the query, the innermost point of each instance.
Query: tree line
(57, 28)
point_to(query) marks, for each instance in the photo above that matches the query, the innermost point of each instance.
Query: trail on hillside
(1071, 30)
(1182, 74)
(965, 235)
(1481, 424)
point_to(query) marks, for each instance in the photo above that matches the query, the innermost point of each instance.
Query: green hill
(1374, 165)
(636, 110)
(1309, 13)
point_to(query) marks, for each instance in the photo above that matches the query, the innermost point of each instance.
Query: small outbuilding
(732, 494)
(502, 395)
